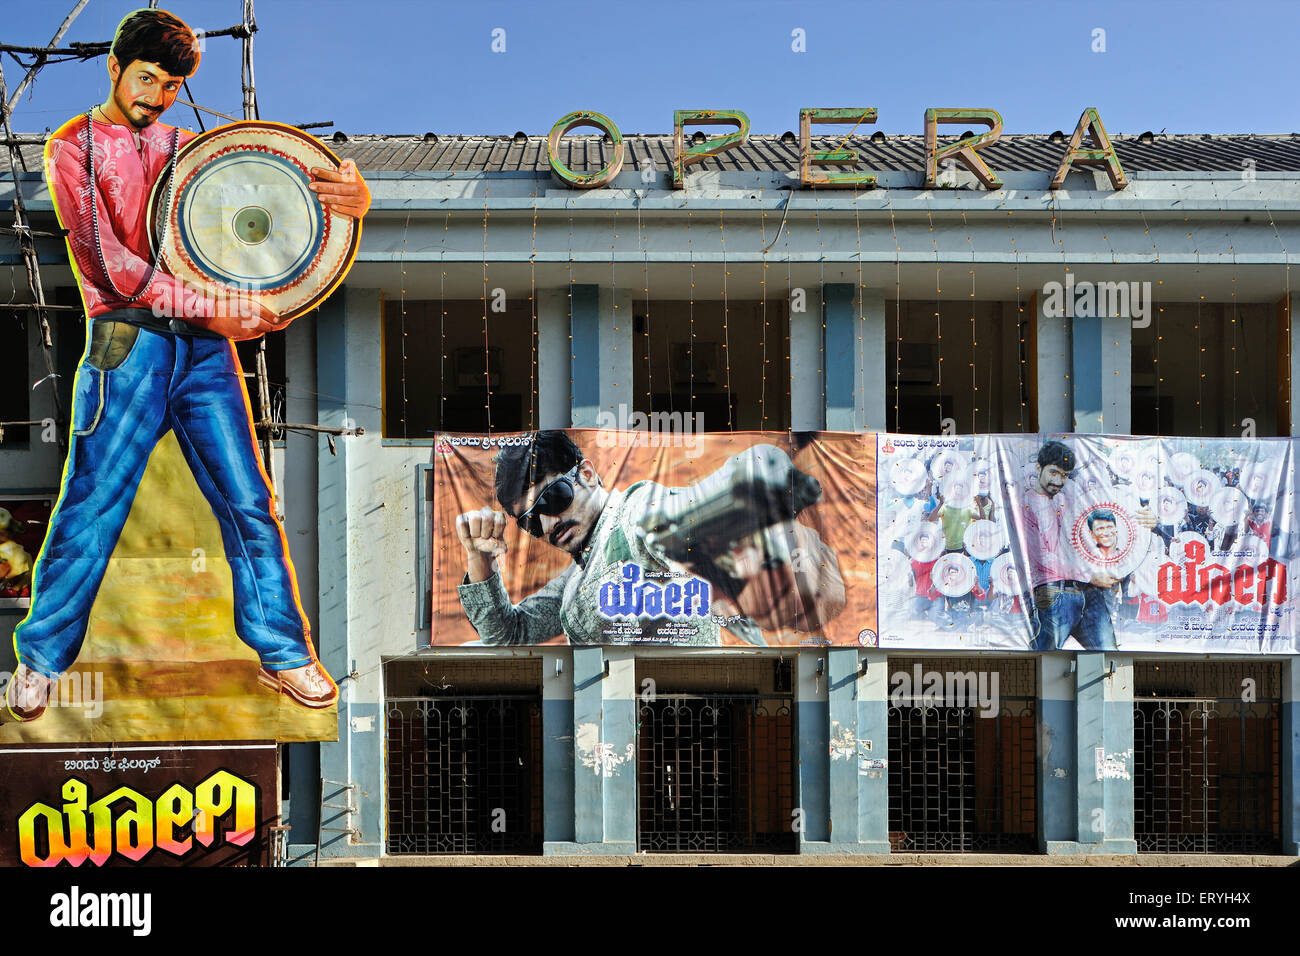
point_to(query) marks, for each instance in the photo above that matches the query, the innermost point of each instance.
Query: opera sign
(1096, 152)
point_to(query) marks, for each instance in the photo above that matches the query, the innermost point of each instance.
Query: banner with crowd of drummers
(1087, 542)
(1016, 542)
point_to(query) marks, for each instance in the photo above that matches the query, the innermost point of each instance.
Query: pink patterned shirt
(125, 175)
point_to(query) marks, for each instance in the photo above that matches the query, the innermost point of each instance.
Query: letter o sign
(601, 177)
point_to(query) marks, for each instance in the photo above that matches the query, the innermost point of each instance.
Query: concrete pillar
(1058, 821)
(553, 361)
(807, 408)
(604, 743)
(616, 351)
(348, 374)
(813, 721)
(1290, 763)
(601, 353)
(858, 745)
(1104, 752)
(298, 491)
(1102, 365)
(1054, 359)
(557, 749)
(855, 358)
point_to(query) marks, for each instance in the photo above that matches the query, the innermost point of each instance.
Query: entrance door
(1206, 767)
(715, 773)
(962, 779)
(464, 774)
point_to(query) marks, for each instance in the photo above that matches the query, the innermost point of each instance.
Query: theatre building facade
(983, 536)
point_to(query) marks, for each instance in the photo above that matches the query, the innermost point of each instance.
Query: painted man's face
(1103, 532)
(570, 529)
(1051, 479)
(142, 91)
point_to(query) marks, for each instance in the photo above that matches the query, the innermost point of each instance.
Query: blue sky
(410, 66)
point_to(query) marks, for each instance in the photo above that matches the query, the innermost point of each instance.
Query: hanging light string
(938, 321)
(898, 312)
(569, 269)
(1108, 422)
(789, 300)
(690, 351)
(1159, 312)
(487, 351)
(859, 393)
(1236, 411)
(613, 300)
(1286, 263)
(974, 344)
(1020, 332)
(405, 406)
(1065, 330)
(645, 287)
(762, 290)
(442, 327)
(821, 298)
(534, 332)
(726, 314)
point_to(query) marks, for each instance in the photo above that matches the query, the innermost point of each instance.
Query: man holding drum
(145, 372)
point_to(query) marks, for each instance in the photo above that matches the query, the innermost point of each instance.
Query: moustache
(560, 529)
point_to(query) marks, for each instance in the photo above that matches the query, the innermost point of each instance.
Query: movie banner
(1073, 542)
(165, 805)
(596, 536)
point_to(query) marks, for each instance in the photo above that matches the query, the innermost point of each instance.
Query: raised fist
(482, 532)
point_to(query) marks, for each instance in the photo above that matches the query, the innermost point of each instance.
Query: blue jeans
(121, 408)
(1086, 613)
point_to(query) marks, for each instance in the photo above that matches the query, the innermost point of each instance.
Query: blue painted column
(858, 735)
(813, 719)
(1290, 768)
(855, 358)
(873, 753)
(1058, 818)
(557, 750)
(604, 743)
(347, 375)
(843, 351)
(584, 349)
(554, 362)
(1105, 753)
(601, 353)
(1102, 363)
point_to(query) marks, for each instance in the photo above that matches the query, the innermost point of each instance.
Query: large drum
(241, 217)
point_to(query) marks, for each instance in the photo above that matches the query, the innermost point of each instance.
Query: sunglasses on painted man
(554, 500)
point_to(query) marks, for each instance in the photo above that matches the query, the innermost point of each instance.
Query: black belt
(1062, 585)
(145, 319)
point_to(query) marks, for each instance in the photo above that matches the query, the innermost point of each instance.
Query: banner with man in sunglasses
(744, 538)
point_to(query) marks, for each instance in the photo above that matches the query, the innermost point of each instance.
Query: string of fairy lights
(1213, 322)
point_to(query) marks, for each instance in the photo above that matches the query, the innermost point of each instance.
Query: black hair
(156, 36)
(1100, 514)
(520, 466)
(1056, 453)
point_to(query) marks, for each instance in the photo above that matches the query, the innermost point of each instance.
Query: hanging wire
(762, 289)
(938, 321)
(487, 350)
(442, 328)
(898, 312)
(405, 406)
(859, 394)
(534, 332)
(726, 335)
